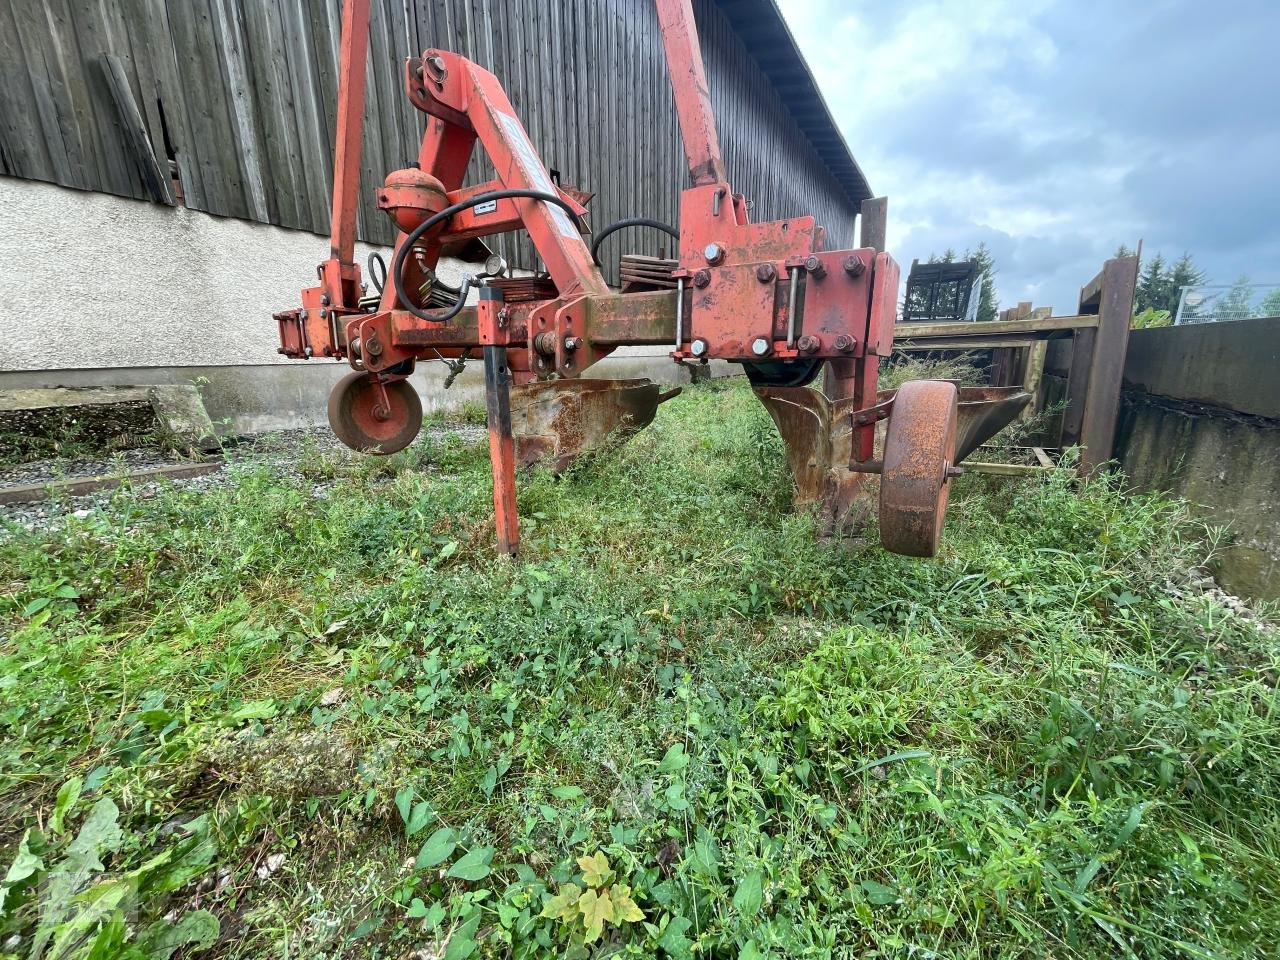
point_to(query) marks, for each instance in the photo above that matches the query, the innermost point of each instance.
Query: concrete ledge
(1232, 365)
(1226, 464)
(252, 399)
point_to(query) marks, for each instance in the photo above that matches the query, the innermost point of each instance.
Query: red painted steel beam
(458, 92)
(693, 99)
(352, 53)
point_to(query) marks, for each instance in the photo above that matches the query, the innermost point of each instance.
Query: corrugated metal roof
(771, 44)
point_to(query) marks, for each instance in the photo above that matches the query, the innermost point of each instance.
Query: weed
(679, 726)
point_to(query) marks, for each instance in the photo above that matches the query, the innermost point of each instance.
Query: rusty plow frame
(768, 295)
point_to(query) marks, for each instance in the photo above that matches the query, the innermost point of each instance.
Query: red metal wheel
(919, 450)
(364, 418)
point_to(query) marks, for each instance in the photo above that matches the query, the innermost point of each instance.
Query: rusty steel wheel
(363, 421)
(919, 450)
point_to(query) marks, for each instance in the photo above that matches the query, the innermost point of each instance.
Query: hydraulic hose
(377, 266)
(631, 222)
(397, 269)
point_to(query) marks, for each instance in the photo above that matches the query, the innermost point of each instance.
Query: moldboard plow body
(767, 295)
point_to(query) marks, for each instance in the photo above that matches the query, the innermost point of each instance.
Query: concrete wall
(1200, 418)
(112, 282)
(102, 290)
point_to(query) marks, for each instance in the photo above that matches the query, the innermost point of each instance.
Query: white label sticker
(533, 170)
(487, 207)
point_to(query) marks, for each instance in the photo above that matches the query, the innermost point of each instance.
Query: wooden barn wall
(240, 94)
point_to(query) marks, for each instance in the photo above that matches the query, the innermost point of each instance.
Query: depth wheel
(919, 449)
(362, 421)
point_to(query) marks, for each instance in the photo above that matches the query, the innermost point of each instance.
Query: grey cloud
(1098, 123)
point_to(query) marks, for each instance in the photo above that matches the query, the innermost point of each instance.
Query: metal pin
(679, 312)
(791, 309)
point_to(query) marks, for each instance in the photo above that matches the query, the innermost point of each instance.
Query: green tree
(1153, 286)
(1270, 305)
(1123, 251)
(1185, 273)
(1236, 303)
(987, 304)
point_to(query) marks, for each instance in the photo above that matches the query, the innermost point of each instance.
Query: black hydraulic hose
(631, 222)
(375, 259)
(397, 269)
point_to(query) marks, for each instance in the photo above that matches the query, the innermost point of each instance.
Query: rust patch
(557, 421)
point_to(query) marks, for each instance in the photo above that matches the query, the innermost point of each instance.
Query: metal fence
(1212, 303)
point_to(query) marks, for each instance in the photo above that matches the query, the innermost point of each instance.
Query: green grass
(269, 724)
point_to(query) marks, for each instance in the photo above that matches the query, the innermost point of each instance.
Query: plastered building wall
(99, 289)
(112, 282)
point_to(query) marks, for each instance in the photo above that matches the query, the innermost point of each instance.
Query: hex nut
(845, 343)
(761, 346)
(814, 266)
(854, 266)
(766, 273)
(713, 253)
(702, 278)
(699, 347)
(808, 344)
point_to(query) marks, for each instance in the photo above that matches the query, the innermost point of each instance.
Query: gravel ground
(282, 451)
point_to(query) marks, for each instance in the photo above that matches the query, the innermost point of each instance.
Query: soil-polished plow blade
(818, 435)
(983, 412)
(557, 421)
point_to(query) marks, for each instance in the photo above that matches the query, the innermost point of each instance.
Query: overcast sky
(1057, 130)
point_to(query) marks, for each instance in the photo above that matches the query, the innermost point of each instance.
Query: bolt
(815, 267)
(713, 253)
(761, 346)
(545, 343)
(373, 347)
(698, 348)
(845, 343)
(356, 347)
(572, 343)
(324, 299)
(302, 314)
(854, 266)
(955, 471)
(323, 313)
(435, 67)
(808, 344)
(766, 273)
(702, 278)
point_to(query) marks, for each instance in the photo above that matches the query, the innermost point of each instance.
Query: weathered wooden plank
(56, 123)
(150, 22)
(134, 50)
(23, 152)
(1036, 355)
(267, 63)
(995, 328)
(1010, 469)
(1102, 401)
(211, 144)
(314, 137)
(240, 95)
(154, 178)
